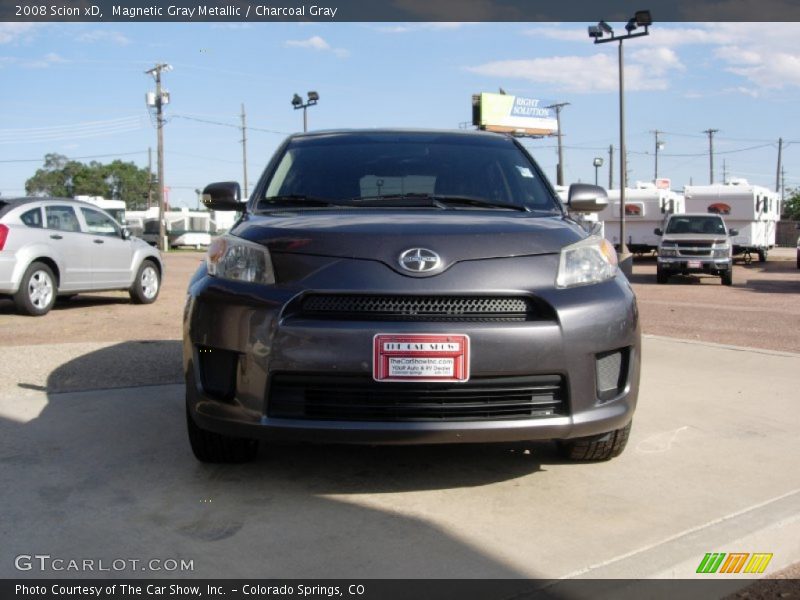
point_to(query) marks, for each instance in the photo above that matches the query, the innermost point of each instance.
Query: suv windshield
(699, 224)
(452, 172)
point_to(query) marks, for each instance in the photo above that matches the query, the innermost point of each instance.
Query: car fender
(141, 252)
(28, 254)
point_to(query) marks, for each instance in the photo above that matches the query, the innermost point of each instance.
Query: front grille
(422, 308)
(690, 248)
(359, 398)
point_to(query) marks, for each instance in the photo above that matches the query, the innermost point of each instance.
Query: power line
(220, 123)
(25, 160)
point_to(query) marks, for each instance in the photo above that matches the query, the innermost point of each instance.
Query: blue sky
(78, 89)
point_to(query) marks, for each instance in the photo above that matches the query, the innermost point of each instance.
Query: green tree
(791, 205)
(64, 178)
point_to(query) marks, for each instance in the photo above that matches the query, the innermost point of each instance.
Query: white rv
(646, 208)
(116, 208)
(752, 209)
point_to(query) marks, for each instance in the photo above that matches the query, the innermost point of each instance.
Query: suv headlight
(721, 251)
(233, 258)
(586, 262)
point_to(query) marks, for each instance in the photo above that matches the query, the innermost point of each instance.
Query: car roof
(9, 204)
(453, 135)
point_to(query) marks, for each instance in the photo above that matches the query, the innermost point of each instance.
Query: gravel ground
(761, 310)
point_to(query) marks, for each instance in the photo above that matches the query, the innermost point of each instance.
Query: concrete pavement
(712, 466)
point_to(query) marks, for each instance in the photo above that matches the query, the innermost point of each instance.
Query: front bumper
(258, 342)
(682, 264)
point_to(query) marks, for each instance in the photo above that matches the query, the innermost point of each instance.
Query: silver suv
(53, 247)
(695, 243)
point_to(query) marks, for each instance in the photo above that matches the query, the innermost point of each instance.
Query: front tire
(762, 255)
(147, 284)
(596, 447)
(661, 277)
(211, 447)
(37, 290)
(727, 277)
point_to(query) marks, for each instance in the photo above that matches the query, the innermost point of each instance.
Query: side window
(98, 223)
(62, 218)
(32, 218)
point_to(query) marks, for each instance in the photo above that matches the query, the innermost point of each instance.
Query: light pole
(560, 167)
(297, 102)
(598, 32)
(597, 162)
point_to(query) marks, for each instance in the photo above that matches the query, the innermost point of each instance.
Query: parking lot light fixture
(297, 103)
(597, 162)
(603, 33)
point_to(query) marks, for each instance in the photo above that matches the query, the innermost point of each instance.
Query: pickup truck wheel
(661, 277)
(37, 290)
(211, 447)
(727, 277)
(596, 447)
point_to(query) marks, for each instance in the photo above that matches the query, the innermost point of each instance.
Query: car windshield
(447, 172)
(698, 224)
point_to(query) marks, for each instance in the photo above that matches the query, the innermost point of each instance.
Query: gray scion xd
(408, 287)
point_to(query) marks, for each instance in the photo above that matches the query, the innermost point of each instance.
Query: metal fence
(786, 233)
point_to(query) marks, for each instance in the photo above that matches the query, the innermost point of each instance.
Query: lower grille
(358, 398)
(422, 308)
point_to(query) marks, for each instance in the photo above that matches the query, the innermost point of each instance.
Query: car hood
(383, 235)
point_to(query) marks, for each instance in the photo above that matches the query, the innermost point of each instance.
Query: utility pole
(783, 186)
(778, 172)
(244, 150)
(724, 171)
(659, 146)
(560, 168)
(711, 133)
(611, 166)
(149, 177)
(159, 101)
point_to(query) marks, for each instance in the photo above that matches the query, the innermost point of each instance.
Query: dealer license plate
(420, 357)
(694, 264)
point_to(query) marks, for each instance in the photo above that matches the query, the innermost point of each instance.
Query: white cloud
(412, 27)
(104, 35)
(586, 74)
(319, 44)
(44, 62)
(13, 32)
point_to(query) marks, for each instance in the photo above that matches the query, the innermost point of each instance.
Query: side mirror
(733, 232)
(125, 233)
(224, 195)
(658, 231)
(583, 197)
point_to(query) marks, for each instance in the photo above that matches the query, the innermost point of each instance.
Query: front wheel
(596, 447)
(211, 447)
(762, 255)
(37, 290)
(147, 284)
(727, 277)
(661, 277)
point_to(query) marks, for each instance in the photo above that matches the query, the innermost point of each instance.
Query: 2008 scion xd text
(408, 287)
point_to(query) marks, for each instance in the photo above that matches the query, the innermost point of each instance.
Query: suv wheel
(727, 277)
(596, 447)
(147, 284)
(37, 290)
(211, 447)
(661, 277)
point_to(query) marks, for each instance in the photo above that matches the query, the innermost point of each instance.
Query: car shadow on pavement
(109, 472)
(83, 301)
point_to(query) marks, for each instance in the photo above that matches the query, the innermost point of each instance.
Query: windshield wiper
(296, 200)
(437, 200)
(411, 199)
(480, 202)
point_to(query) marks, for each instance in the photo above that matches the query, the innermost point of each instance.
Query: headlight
(667, 252)
(721, 251)
(589, 261)
(233, 258)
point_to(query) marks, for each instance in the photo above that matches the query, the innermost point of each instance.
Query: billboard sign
(516, 114)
